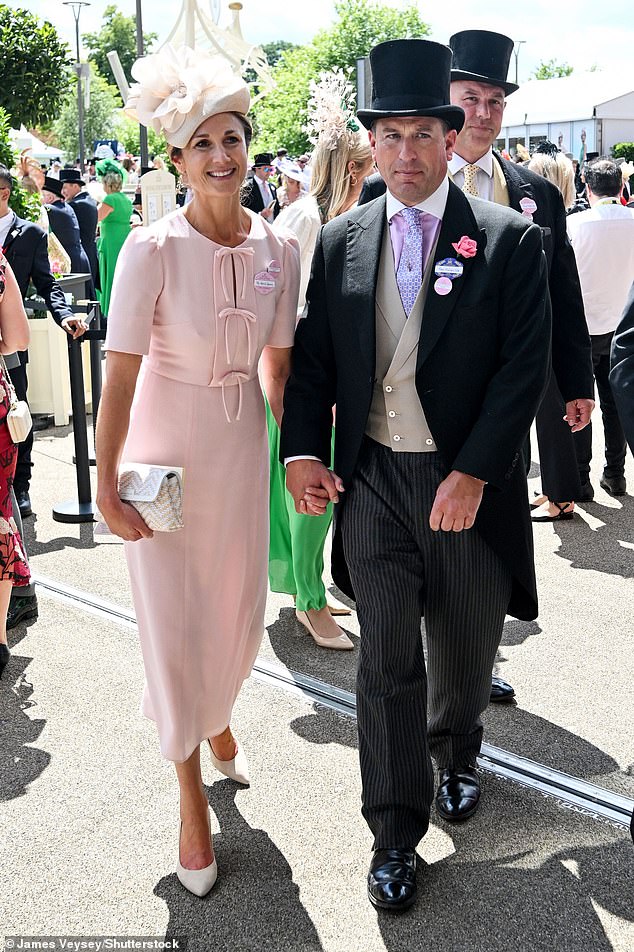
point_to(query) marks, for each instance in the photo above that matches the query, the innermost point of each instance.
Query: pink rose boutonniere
(466, 247)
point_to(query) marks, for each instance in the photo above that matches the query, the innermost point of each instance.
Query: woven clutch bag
(156, 492)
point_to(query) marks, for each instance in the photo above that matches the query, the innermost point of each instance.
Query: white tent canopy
(26, 140)
(579, 96)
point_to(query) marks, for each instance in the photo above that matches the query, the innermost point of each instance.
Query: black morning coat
(482, 364)
(571, 353)
(252, 197)
(622, 372)
(85, 208)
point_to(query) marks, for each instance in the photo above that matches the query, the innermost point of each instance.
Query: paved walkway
(89, 811)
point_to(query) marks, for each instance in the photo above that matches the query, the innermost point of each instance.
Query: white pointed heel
(197, 881)
(339, 642)
(236, 769)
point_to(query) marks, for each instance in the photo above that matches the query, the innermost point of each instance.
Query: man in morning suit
(65, 227)
(85, 208)
(426, 325)
(260, 195)
(479, 85)
(25, 248)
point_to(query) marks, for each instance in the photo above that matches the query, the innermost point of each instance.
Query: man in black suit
(25, 247)
(259, 193)
(427, 326)
(85, 208)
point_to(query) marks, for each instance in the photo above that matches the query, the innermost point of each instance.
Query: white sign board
(158, 194)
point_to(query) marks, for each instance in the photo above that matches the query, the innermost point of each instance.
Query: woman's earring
(353, 179)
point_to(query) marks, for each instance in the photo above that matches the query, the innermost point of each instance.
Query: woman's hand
(122, 519)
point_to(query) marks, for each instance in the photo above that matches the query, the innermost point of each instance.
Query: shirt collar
(433, 205)
(485, 162)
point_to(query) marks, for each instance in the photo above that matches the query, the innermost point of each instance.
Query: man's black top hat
(482, 56)
(264, 158)
(73, 176)
(53, 185)
(411, 78)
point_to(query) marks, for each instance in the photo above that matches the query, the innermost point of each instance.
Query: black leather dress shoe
(24, 503)
(392, 879)
(21, 608)
(587, 493)
(501, 691)
(458, 794)
(5, 654)
(614, 485)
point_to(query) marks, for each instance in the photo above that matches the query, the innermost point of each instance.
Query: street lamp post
(516, 53)
(76, 6)
(139, 51)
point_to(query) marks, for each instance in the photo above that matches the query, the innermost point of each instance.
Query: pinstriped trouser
(401, 570)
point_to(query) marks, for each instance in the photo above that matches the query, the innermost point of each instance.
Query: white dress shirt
(484, 175)
(603, 241)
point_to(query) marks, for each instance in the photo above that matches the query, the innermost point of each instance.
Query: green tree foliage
(118, 32)
(274, 50)
(24, 204)
(99, 118)
(623, 150)
(359, 26)
(551, 69)
(126, 130)
(35, 68)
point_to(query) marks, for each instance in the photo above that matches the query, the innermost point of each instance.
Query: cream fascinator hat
(177, 89)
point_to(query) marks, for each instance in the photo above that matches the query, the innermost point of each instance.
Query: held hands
(578, 414)
(312, 486)
(123, 520)
(75, 326)
(457, 502)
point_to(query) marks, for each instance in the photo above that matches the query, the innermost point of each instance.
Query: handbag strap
(13, 397)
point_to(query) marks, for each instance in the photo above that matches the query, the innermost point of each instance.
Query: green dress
(296, 547)
(114, 230)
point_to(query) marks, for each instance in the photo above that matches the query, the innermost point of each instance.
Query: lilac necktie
(409, 275)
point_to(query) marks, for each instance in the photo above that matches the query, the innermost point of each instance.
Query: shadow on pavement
(59, 543)
(529, 900)
(599, 549)
(20, 763)
(255, 905)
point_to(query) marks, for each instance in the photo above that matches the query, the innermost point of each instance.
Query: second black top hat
(482, 56)
(411, 78)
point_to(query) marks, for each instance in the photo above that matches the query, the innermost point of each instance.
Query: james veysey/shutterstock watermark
(94, 943)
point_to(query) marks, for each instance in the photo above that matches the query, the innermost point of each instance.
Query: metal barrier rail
(570, 792)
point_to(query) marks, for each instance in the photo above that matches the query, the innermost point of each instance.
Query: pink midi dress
(201, 313)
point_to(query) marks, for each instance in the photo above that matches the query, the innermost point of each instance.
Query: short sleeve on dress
(283, 331)
(137, 284)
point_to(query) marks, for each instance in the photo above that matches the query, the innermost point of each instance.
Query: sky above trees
(582, 33)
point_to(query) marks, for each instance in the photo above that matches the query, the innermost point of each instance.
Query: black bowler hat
(411, 78)
(482, 56)
(263, 159)
(72, 176)
(53, 185)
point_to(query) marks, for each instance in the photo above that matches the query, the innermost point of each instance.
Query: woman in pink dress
(202, 295)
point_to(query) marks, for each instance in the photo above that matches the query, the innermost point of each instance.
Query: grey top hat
(411, 78)
(482, 56)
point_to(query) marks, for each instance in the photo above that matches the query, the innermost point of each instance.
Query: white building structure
(559, 110)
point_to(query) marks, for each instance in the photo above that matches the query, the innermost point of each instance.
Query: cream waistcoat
(396, 416)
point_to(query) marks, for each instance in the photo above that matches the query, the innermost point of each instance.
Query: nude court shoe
(197, 881)
(325, 632)
(236, 769)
